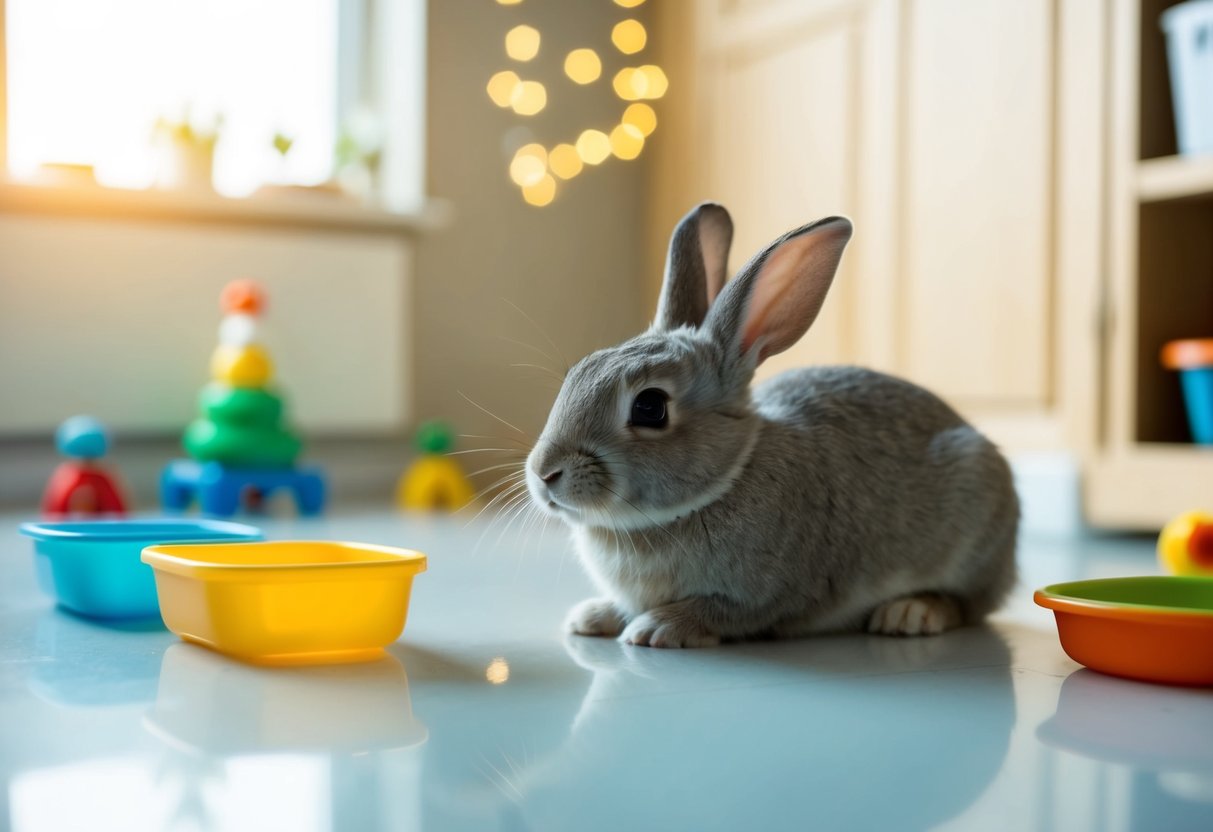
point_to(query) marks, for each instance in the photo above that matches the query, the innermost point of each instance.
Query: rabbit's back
(856, 397)
(893, 480)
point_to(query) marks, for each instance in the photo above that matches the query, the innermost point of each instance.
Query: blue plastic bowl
(94, 567)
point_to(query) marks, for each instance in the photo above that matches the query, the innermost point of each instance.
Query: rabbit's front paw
(595, 617)
(666, 627)
(915, 615)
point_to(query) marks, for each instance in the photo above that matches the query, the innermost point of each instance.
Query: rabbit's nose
(551, 476)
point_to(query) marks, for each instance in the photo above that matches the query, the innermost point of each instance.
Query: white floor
(484, 716)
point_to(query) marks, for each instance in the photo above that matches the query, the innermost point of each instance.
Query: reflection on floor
(484, 716)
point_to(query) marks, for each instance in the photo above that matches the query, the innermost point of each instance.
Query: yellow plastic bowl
(286, 602)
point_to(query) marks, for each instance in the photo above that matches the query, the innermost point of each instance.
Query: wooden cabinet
(936, 125)
(1160, 277)
(1027, 236)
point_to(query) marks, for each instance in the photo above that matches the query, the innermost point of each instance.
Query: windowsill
(290, 210)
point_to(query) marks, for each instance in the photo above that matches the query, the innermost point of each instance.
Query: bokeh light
(501, 87)
(498, 671)
(655, 82)
(528, 98)
(541, 193)
(583, 66)
(564, 161)
(593, 146)
(627, 141)
(629, 36)
(529, 165)
(538, 171)
(642, 117)
(630, 84)
(635, 83)
(522, 43)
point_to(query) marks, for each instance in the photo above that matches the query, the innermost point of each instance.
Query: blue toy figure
(82, 485)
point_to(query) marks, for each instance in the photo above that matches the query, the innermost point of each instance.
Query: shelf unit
(1145, 468)
(1171, 178)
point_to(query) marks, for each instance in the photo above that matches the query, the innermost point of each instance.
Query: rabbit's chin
(628, 516)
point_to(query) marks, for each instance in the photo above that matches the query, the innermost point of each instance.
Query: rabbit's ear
(777, 295)
(695, 266)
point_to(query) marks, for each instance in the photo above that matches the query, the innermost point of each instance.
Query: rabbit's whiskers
(488, 412)
(542, 332)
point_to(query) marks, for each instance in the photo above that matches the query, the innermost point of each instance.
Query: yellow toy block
(434, 483)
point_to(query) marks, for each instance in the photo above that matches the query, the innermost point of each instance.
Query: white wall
(118, 318)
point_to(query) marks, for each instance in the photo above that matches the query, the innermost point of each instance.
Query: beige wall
(573, 266)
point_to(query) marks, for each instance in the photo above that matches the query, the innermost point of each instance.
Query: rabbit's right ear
(695, 266)
(776, 296)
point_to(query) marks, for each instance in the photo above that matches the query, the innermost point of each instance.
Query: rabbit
(827, 499)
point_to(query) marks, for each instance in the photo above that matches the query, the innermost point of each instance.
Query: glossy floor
(485, 717)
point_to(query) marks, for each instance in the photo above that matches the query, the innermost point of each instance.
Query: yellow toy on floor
(434, 482)
(1185, 546)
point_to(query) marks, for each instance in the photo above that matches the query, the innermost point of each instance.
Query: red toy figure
(81, 486)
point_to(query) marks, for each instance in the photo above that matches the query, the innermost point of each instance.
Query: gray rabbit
(826, 499)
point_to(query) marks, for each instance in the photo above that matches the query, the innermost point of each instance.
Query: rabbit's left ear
(777, 295)
(695, 266)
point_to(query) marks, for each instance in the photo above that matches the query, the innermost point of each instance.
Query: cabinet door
(932, 124)
(791, 135)
(976, 276)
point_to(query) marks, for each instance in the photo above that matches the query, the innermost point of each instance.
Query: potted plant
(185, 152)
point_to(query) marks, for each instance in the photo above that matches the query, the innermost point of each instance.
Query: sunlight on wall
(88, 80)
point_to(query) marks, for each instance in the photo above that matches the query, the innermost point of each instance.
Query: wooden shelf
(296, 210)
(1175, 177)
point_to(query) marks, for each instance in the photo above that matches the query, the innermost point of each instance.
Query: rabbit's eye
(648, 410)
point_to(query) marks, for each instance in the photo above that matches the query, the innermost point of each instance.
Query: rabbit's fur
(826, 499)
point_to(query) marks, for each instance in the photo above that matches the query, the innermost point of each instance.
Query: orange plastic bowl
(1157, 629)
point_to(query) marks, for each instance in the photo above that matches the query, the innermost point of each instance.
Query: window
(105, 83)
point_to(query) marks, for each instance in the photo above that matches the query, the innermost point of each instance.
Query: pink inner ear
(789, 291)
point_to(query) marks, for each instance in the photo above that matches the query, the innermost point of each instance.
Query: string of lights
(535, 168)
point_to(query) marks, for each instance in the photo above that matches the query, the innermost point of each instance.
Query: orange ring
(1188, 354)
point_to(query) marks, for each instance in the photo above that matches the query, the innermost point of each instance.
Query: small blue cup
(94, 567)
(1197, 384)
